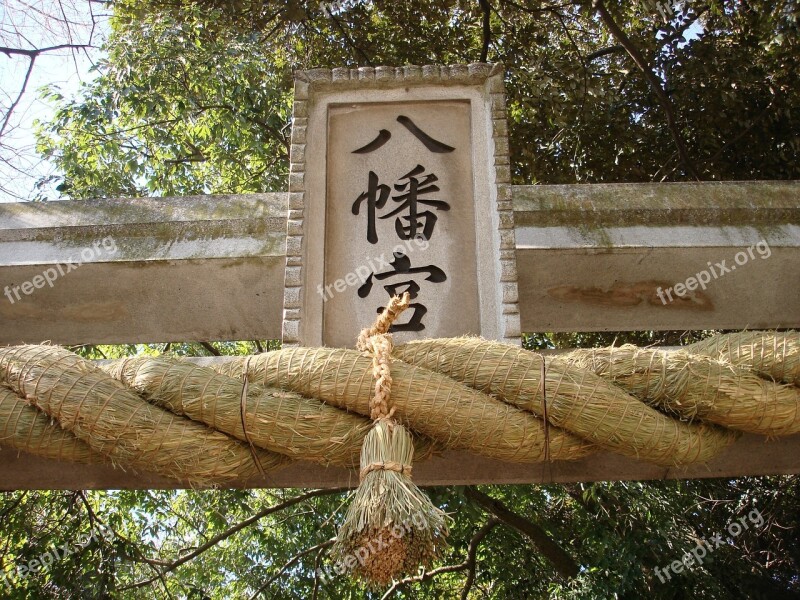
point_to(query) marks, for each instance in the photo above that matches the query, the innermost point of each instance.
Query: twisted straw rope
(58, 405)
(377, 341)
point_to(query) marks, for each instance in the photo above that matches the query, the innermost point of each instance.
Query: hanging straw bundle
(575, 399)
(391, 527)
(772, 354)
(695, 386)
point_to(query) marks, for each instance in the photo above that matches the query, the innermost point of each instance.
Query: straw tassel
(391, 527)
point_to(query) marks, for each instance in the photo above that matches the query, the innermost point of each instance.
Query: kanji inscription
(400, 218)
(399, 181)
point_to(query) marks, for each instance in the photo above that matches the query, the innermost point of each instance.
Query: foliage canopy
(195, 98)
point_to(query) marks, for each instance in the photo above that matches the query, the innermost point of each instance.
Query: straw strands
(57, 405)
(281, 421)
(115, 422)
(253, 414)
(387, 498)
(771, 354)
(694, 386)
(25, 428)
(571, 398)
(390, 527)
(432, 404)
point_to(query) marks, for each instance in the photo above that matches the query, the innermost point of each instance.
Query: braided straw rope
(377, 341)
(189, 423)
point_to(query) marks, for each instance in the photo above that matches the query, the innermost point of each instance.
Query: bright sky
(28, 25)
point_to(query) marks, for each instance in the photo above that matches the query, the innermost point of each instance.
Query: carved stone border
(478, 74)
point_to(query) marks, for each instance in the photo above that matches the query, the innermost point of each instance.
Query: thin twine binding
(547, 464)
(385, 466)
(546, 419)
(242, 408)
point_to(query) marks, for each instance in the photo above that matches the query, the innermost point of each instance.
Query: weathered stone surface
(353, 262)
(393, 154)
(589, 257)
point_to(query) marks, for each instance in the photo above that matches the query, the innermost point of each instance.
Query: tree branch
(33, 53)
(603, 52)
(562, 562)
(209, 348)
(8, 510)
(7, 116)
(472, 553)
(655, 84)
(193, 158)
(291, 562)
(317, 559)
(231, 531)
(486, 9)
(349, 41)
(468, 564)
(93, 519)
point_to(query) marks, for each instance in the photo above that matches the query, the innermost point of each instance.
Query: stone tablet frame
(479, 83)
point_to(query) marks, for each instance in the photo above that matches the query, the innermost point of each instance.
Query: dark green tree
(195, 98)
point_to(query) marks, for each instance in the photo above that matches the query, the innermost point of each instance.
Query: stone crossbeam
(590, 258)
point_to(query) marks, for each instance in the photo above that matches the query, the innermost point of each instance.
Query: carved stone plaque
(399, 182)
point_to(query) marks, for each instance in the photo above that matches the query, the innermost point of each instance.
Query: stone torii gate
(611, 257)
